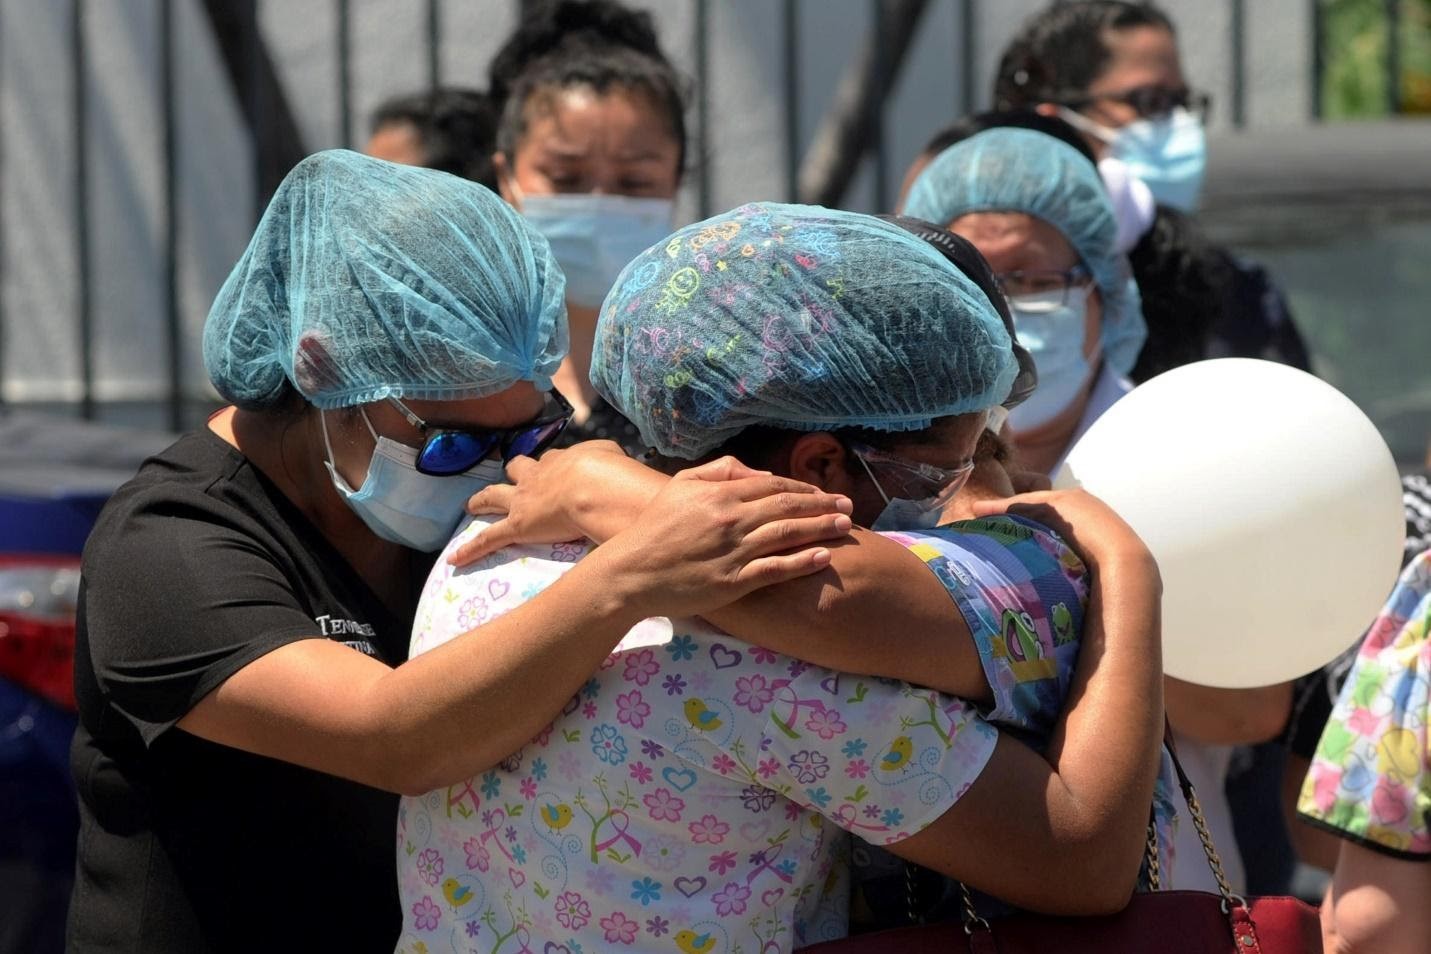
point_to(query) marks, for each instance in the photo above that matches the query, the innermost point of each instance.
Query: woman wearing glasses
(696, 794)
(1038, 213)
(247, 716)
(1112, 69)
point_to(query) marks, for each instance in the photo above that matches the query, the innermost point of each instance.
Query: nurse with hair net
(247, 713)
(1039, 213)
(704, 783)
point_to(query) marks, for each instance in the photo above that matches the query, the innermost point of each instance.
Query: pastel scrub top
(697, 793)
(1370, 780)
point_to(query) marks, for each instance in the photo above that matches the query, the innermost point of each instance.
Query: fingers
(752, 514)
(781, 536)
(768, 571)
(521, 466)
(498, 535)
(722, 468)
(496, 498)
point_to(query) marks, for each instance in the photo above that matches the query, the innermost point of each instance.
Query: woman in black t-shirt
(388, 341)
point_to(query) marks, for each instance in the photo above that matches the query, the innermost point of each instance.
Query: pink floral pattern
(697, 785)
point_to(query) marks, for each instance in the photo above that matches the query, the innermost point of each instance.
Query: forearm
(1376, 903)
(877, 609)
(468, 704)
(436, 719)
(1105, 748)
(1227, 716)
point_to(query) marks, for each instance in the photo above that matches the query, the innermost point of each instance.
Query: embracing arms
(875, 609)
(457, 710)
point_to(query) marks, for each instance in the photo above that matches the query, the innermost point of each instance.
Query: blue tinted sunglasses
(447, 451)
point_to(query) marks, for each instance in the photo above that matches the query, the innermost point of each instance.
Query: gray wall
(745, 158)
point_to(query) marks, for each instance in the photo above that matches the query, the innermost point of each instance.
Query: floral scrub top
(1370, 779)
(694, 795)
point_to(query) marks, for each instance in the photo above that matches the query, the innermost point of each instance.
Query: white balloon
(1271, 503)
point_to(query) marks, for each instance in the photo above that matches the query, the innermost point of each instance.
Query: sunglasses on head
(447, 451)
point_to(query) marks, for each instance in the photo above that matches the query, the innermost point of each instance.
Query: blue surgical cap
(367, 280)
(795, 317)
(1019, 170)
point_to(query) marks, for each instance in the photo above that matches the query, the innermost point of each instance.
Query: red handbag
(1157, 922)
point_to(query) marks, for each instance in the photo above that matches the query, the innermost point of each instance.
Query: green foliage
(1355, 47)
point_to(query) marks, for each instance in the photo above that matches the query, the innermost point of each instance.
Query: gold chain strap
(1151, 853)
(1213, 861)
(909, 891)
(972, 919)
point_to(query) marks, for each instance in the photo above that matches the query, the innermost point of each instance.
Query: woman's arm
(841, 618)
(1228, 716)
(1081, 809)
(1377, 903)
(471, 702)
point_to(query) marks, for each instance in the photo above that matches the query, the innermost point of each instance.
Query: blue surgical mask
(1169, 154)
(594, 236)
(901, 513)
(1053, 334)
(403, 506)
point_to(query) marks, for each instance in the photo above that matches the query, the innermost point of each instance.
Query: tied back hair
(597, 44)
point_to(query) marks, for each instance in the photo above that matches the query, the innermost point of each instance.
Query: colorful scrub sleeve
(695, 795)
(1370, 780)
(1023, 592)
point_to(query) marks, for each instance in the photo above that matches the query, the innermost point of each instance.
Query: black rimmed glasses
(447, 451)
(1042, 289)
(1152, 102)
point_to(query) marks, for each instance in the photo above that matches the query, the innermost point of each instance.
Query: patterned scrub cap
(796, 317)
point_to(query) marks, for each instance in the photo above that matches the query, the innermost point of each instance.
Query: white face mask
(594, 236)
(1169, 154)
(1133, 204)
(1053, 335)
(402, 505)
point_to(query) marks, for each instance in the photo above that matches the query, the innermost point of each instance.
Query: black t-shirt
(197, 567)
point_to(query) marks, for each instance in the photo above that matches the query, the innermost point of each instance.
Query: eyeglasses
(447, 451)
(1037, 291)
(911, 479)
(1152, 102)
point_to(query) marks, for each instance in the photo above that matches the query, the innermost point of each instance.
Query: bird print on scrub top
(696, 794)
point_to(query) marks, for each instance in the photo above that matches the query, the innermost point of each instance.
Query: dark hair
(1183, 282)
(457, 129)
(1012, 118)
(598, 44)
(764, 446)
(1062, 50)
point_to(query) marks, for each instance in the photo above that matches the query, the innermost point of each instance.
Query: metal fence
(235, 30)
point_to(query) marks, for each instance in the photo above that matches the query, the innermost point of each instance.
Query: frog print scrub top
(695, 795)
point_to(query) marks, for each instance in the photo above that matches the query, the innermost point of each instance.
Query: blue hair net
(795, 317)
(1019, 170)
(366, 280)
